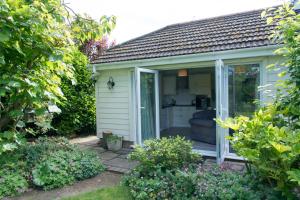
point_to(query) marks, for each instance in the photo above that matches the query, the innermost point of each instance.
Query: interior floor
(186, 132)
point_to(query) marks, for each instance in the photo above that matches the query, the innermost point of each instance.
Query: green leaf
(2, 92)
(4, 36)
(14, 84)
(294, 175)
(9, 147)
(2, 61)
(280, 148)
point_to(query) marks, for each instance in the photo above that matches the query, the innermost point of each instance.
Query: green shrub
(86, 165)
(272, 149)
(175, 185)
(164, 154)
(221, 184)
(64, 167)
(46, 163)
(54, 171)
(78, 111)
(43, 147)
(208, 184)
(159, 173)
(12, 183)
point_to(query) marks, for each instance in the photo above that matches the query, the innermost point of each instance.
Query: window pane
(243, 90)
(147, 105)
(243, 84)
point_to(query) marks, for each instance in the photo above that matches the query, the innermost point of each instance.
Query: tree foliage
(37, 45)
(78, 111)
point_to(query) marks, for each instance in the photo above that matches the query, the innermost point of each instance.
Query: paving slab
(108, 155)
(122, 163)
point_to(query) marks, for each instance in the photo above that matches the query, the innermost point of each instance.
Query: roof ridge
(221, 16)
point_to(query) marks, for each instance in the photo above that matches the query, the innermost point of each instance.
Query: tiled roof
(236, 31)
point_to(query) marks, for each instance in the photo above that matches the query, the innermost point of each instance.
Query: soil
(106, 179)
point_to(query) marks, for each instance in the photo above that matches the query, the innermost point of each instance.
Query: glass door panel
(147, 100)
(243, 82)
(221, 107)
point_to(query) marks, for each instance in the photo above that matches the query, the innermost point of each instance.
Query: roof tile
(236, 31)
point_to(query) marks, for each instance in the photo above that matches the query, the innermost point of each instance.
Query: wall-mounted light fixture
(110, 83)
(182, 73)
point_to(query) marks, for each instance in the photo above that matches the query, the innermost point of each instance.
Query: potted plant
(104, 138)
(114, 142)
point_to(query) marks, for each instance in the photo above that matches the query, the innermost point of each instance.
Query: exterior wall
(114, 106)
(270, 78)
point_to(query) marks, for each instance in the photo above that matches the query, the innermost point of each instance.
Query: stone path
(114, 161)
(118, 162)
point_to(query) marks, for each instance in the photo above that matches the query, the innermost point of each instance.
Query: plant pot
(105, 135)
(114, 144)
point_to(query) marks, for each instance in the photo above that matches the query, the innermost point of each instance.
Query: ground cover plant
(161, 174)
(46, 164)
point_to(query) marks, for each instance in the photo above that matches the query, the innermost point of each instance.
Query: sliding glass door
(147, 104)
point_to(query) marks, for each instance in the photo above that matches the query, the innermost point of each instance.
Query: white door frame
(138, 101)
(221, 108)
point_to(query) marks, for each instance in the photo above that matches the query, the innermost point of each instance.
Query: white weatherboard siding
(113, 106)
(270, 78)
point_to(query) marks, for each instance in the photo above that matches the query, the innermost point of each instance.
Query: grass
(111, 193)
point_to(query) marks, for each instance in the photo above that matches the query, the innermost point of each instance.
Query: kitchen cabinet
(200, 84)
(169, 85)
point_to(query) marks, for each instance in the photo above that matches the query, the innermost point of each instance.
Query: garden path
(114, 161)
(118, 162)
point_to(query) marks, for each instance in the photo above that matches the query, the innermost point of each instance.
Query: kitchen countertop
(178, 105)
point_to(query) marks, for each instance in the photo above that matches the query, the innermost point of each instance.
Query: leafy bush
(54, 171)
(86, 165)
(162, 185)
(159, 175)
(46, 163)
(221, 184)
(164, 154)
(63, 165)
(12, 183)
(208, 184)
(272, 149)
(43, 147)
(78, 111)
